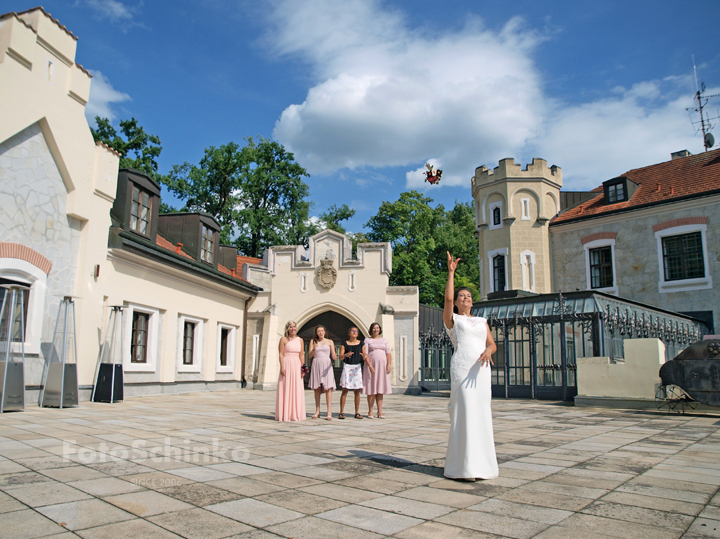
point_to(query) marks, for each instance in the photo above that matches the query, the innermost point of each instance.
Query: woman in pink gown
(290, 399)
(376, 373)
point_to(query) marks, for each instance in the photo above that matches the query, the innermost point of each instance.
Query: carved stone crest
(326, 274)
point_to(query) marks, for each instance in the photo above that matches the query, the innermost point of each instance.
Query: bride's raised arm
(450, 291)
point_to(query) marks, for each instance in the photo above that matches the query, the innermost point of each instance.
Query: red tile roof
(242, 260)
(663, 182)
(57, 22)
(170, 246)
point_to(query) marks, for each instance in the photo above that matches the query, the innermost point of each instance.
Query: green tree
(256, 193)
(139, 149)
(420, 236)
(273, 208)
(214, 186)
(334, 216)
(409, 225)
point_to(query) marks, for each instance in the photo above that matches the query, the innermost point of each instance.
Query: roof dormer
(199, 234)
(137, 203)
(620, 189)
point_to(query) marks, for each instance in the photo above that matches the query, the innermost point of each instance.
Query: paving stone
(156, 480)
(286, 480)
(132, 529)
(14, 480)
(704, 527)
(408, 507)
(711, 512)
(318, 528)
(662, 492)
(341, 492)
(492, 523)
(302, 502)
(370, 519)
(199, 524)
(638, 514)
(105, 486)
(200, 494)
(382, 486)
(84, 514)
(545, 499)
(201, 473)
(450, 498)
(147, 503)
(521, 510)
(581, 523)
(433, 530)
(653, 502)
(254, 512)
(39, 494)
(245, 486)
(28, 524)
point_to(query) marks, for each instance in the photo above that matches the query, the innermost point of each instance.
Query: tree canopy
(139, 149)
(420, 235)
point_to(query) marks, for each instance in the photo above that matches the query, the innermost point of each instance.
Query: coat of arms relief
(326, 274)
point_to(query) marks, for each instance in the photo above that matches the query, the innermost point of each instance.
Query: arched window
(498, 273)
(496, 216)
(15, 270)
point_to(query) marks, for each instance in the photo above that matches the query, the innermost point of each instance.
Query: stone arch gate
(328, 281)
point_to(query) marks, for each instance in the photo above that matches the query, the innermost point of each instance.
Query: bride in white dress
(471, 446)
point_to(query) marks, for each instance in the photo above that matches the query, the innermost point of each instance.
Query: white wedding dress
(471, 446)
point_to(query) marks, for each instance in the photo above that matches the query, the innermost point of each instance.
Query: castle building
(195, 314)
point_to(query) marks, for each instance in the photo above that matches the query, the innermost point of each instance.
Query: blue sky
(365, 92)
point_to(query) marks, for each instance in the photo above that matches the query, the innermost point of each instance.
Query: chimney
(678, 155)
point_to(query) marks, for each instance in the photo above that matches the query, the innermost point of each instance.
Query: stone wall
(33, 201)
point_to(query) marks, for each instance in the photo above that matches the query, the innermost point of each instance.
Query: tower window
(499, 273)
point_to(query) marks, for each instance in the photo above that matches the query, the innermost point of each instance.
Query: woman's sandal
(328, 418)
(315, 416)
(341, 416)
(371, 417)
(381, 416)
(358, 416)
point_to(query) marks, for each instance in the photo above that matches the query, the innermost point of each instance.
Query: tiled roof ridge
(659, 183)
(81, 68)
(14, 14)
(57, 22)
(108, 148)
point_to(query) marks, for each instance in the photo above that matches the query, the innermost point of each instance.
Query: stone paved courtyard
(214, 465)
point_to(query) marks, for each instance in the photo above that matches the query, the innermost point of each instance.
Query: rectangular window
(496, 216)
(616, 192)
(683, 257)
(499, 273)
(206, 252)
(188, 342)
(140, 211)
(601, 271)
(138, 344)
(224, 343)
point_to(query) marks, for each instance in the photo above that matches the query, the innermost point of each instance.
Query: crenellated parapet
(508, 170)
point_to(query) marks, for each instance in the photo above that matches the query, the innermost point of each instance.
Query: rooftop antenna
(702, 100)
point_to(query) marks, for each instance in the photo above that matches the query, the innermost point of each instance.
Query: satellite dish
(709, 140)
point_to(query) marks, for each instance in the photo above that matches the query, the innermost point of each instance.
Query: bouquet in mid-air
(432, 174)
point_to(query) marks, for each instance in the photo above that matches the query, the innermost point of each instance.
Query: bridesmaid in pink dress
(290, 399)
(322, 376)
(376, 375)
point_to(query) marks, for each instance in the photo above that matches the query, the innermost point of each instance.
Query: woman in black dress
(353, 356)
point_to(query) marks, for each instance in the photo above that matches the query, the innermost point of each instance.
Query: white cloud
(389, 95)
(596, 141)
(111, 9)
(384, 94)
(102, 97)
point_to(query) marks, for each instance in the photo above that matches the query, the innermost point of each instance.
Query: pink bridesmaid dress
(378, 383)
(290, 400)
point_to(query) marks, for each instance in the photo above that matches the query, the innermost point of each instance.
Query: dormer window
(140, 211)
(616, 193)
(206, 251)
(619, 190)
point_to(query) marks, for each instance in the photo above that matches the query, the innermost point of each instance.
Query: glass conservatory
(539, 338)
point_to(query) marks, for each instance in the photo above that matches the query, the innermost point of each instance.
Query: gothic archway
(337, 327)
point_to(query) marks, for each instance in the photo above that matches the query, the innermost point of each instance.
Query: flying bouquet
(432, 174)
